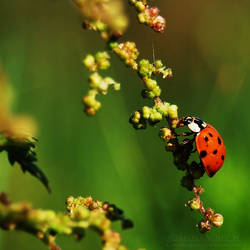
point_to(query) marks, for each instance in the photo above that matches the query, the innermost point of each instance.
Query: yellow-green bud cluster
(149, 15)
(217, 220)
(166, 134)
(137, 120)
(204, 226)
(173, 116)
(146, 70)
(210, 218)
(98, 85)
(90, 102)
(99, 61)
(194, 204)
(127, 52)
(96, 25)
(161, 69)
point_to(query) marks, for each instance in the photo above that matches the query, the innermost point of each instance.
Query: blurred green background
(206, 43)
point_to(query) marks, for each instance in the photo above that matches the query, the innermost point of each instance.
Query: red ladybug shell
(211, 149)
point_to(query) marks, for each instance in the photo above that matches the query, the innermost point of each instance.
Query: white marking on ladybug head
(194, 127)
(195, 124)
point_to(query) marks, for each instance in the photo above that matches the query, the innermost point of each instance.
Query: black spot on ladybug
(222, 157)
(210, 134)
(203, 153)
(205, 138)
(215, 151)
(219, 140)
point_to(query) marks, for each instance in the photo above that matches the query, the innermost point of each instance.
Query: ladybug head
(195, 124)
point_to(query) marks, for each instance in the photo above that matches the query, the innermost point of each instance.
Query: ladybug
(209, 144)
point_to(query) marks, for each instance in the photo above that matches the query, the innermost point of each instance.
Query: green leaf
(23, 152)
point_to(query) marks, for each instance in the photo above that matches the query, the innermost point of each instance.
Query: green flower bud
(157, 91)
(151, 84)
(133, 1)
(90, 111)
(89, 101)
(167, 73)
(100, 25)
(135, 118)
(140, 6)
(200, 190)
(172, 112)
(163, 108)
(97, 105)
(117, 86)
(145, 68)
(95, 80)
(165, 134)
(113, 45)
(89, 63)
(102, 59)
(204, 226)
(142, 18)
(158, 64)
(92, 92)
(155, 116)
(194, 204)
(147, 94)
(146, 112)
(217, 220)
(173, 123)
(81, 213)
(141, 125)
(103, 87)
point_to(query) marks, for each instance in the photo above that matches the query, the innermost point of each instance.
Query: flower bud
(165, 134)
(140, 6)
(95, 80)
(158, 64)
(90, 111)
(89, 100)
(150, 83)
(172, 112)
(135, 117)
(80, 213)
(155, 116)
(117, 86)
(163, 108)
(145, 68)
(102, 59)
(157, 90)
(217, 220)
(204, 226)
(89, 63)
(171, 147)
(146, 112)
(147, 94)
(194, 204)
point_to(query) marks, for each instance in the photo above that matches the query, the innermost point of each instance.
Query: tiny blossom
(150, 16)
(128, 52)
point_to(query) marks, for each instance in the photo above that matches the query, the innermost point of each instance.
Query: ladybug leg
(186, 133)
(187, 141)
